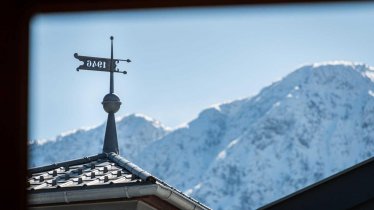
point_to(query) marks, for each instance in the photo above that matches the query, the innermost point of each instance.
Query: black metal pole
(110, 66)
(111, 104)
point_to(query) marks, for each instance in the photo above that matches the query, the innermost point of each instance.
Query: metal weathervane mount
(111, 102)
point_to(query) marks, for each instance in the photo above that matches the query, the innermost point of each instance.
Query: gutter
(163, 192)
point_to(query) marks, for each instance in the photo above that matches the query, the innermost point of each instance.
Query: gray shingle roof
(109, 173)
(95, 170)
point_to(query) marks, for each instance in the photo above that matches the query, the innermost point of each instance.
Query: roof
(349, 189)
(103, 176)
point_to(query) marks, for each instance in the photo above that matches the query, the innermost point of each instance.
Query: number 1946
(98, 64)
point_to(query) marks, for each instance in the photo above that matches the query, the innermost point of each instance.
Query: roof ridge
(131, 167)
(67, 163)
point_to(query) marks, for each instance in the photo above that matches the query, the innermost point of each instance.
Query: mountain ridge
(130, 130)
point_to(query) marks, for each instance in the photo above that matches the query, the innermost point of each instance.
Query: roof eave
(70, 196)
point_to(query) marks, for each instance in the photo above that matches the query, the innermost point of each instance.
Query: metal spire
(111, 102)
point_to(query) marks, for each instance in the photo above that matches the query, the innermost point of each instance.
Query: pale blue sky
(184, 60)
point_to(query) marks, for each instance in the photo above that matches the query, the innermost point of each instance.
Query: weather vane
(111, 102)
(101, 64)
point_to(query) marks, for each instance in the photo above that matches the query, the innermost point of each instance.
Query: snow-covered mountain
(316, 121)
(134, 133)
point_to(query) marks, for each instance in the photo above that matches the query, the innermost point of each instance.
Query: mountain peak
(141, 120)
(326, 76)
(339, 64)
(333, 69)
(134, 131)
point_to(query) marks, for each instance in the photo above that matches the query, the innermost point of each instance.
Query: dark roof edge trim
(179, 199)
(134, 169)
(181, 193)
(323, 181)
(162, 192)
(67, 163)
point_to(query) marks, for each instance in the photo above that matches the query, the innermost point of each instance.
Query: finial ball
(111, 38)
(111, 103)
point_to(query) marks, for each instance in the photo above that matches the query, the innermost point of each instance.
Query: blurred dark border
(14, 43)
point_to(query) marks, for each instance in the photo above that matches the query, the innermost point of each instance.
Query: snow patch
(335, 63)
(191, 190)
(232, 143)
(370, 74)
(188, 192)
(216, 106)
(371, 93)
(221, 155)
